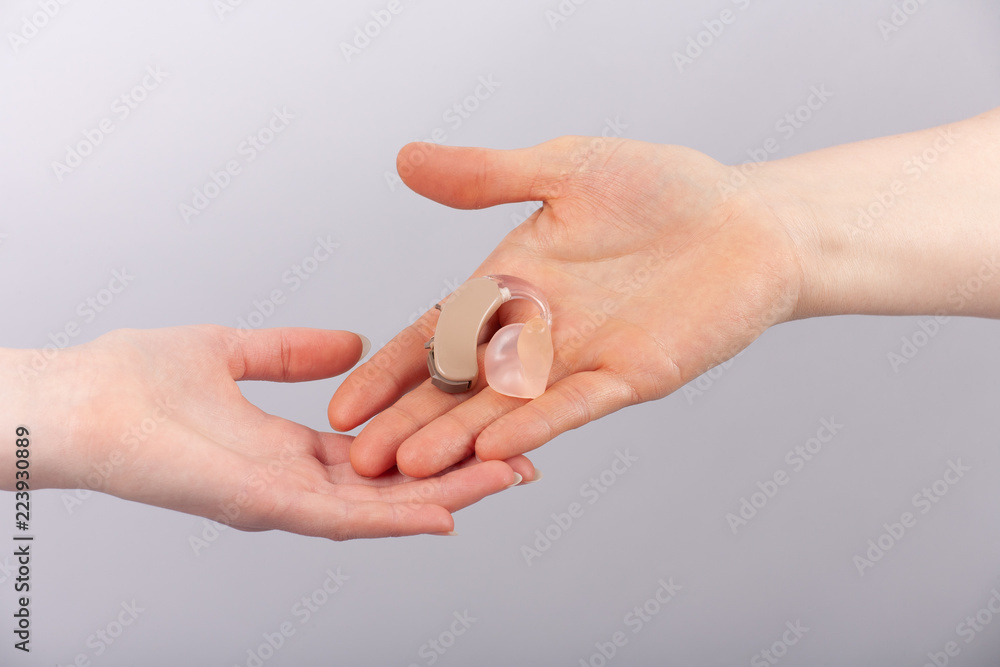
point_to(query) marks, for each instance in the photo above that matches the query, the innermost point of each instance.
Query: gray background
(699, 453)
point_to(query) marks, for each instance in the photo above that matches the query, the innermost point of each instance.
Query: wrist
(816, 246)
(901, 225)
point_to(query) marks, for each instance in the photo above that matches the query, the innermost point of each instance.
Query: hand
(652, 275)
(157, 417)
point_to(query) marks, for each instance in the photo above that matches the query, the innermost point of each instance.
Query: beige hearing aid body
(518, 358)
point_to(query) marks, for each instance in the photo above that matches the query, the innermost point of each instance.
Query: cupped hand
(157, 417)
(656, 269)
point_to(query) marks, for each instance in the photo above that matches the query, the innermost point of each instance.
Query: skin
(157, 417)
(659, 263)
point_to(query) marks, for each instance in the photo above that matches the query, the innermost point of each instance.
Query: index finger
(382, 380)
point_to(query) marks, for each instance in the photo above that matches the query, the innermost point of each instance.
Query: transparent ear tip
(534, 349)
(519, 358)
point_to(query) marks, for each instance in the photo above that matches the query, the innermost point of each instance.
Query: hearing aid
(518, 357)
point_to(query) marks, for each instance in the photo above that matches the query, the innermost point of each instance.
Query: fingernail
(538, 476)
(517, 480)
(448, 534)
(366, 346)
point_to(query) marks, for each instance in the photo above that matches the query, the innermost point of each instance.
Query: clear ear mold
(519, 356)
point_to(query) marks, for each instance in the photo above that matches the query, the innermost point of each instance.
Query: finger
(451, 437)
(375, 449)
(379, 382)
(429, 430)
(462, 177)
(333, 449)
(292, 355)
(390, 374)
(567, 404)
(333, 453)
(322, 515)
(480, 177)
(453, 491)
(523, 466)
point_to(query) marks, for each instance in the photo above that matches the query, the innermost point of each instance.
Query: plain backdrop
(225, 70)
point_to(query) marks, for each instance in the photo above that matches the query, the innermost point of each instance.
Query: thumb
(481, 177)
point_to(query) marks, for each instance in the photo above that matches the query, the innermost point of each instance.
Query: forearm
(908, 224)
(37, 395)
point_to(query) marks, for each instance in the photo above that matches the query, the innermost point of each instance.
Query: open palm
(652, 275)
(162, 421)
